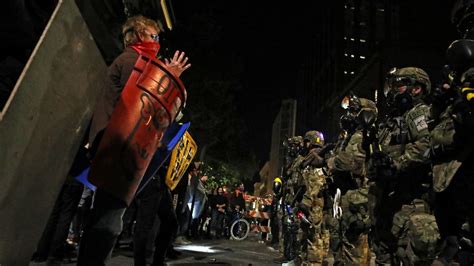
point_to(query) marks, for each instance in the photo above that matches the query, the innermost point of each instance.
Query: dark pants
(154, 200)
(83, 210)
(183, 222)
(102, 229)
(195, 228)
(56, 231)
(454, 207)
(217, 221)
(275, 222)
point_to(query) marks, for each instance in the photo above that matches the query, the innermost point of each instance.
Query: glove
(464, 113)
(313, 159)
(380, 166)
(301, 208)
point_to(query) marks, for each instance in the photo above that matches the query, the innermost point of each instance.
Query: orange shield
(148, 104)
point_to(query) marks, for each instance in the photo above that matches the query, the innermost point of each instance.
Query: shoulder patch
(420, 123)
(320, 171)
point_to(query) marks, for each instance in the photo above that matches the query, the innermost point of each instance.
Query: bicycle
(240, 227)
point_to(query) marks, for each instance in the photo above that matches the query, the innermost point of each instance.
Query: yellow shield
(181, 157)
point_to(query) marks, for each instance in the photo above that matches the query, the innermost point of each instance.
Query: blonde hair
(134, 25)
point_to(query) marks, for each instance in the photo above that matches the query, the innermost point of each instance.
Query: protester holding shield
(143, 96)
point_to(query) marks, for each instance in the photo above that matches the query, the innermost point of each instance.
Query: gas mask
(294, 149)
(348, 122)
(293, 146)
(398, 91)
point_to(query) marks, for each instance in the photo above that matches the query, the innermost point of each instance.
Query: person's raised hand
(178, 64)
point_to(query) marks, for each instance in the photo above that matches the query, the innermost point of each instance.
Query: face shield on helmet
(320, 138)
(314, 138)
(388, 82)
(350, 121)
(399, 87)
(345, 103)
(351, 103)
(277, 186)
(409, 76)
(399, 94)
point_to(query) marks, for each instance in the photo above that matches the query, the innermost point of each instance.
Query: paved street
(216, 252)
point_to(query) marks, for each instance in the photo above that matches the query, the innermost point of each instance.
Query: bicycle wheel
(239, 230)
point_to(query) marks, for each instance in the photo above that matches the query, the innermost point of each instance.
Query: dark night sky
(268, 38)
(265, 38)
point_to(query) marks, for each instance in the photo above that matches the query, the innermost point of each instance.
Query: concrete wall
(41, 128)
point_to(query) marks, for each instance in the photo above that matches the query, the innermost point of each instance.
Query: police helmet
(408, 76)
(277, 186)
(314, 137)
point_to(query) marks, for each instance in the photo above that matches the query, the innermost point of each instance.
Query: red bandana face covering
(149, 48)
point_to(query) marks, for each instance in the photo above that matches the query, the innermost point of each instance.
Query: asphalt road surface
(250, 251)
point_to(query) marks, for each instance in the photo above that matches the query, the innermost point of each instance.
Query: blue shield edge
(82, 178)
(172, 136)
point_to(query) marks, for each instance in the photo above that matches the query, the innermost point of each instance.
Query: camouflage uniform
(355, 223)
(316, 235)
(294, 189)
(349, 236)
(405, 139)
(292, 180)
(453, 172)
(295, 179)
(417, 234)
(351, 157)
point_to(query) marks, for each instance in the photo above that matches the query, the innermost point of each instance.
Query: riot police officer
(316, 236)
(399, 174)
(349, 234)
(452, 156)
(284, 188)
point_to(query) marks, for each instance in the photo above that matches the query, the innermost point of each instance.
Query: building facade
(283, 127)
(352, 45)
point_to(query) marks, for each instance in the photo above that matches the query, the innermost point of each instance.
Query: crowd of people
(154, 222)
(218, 210)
